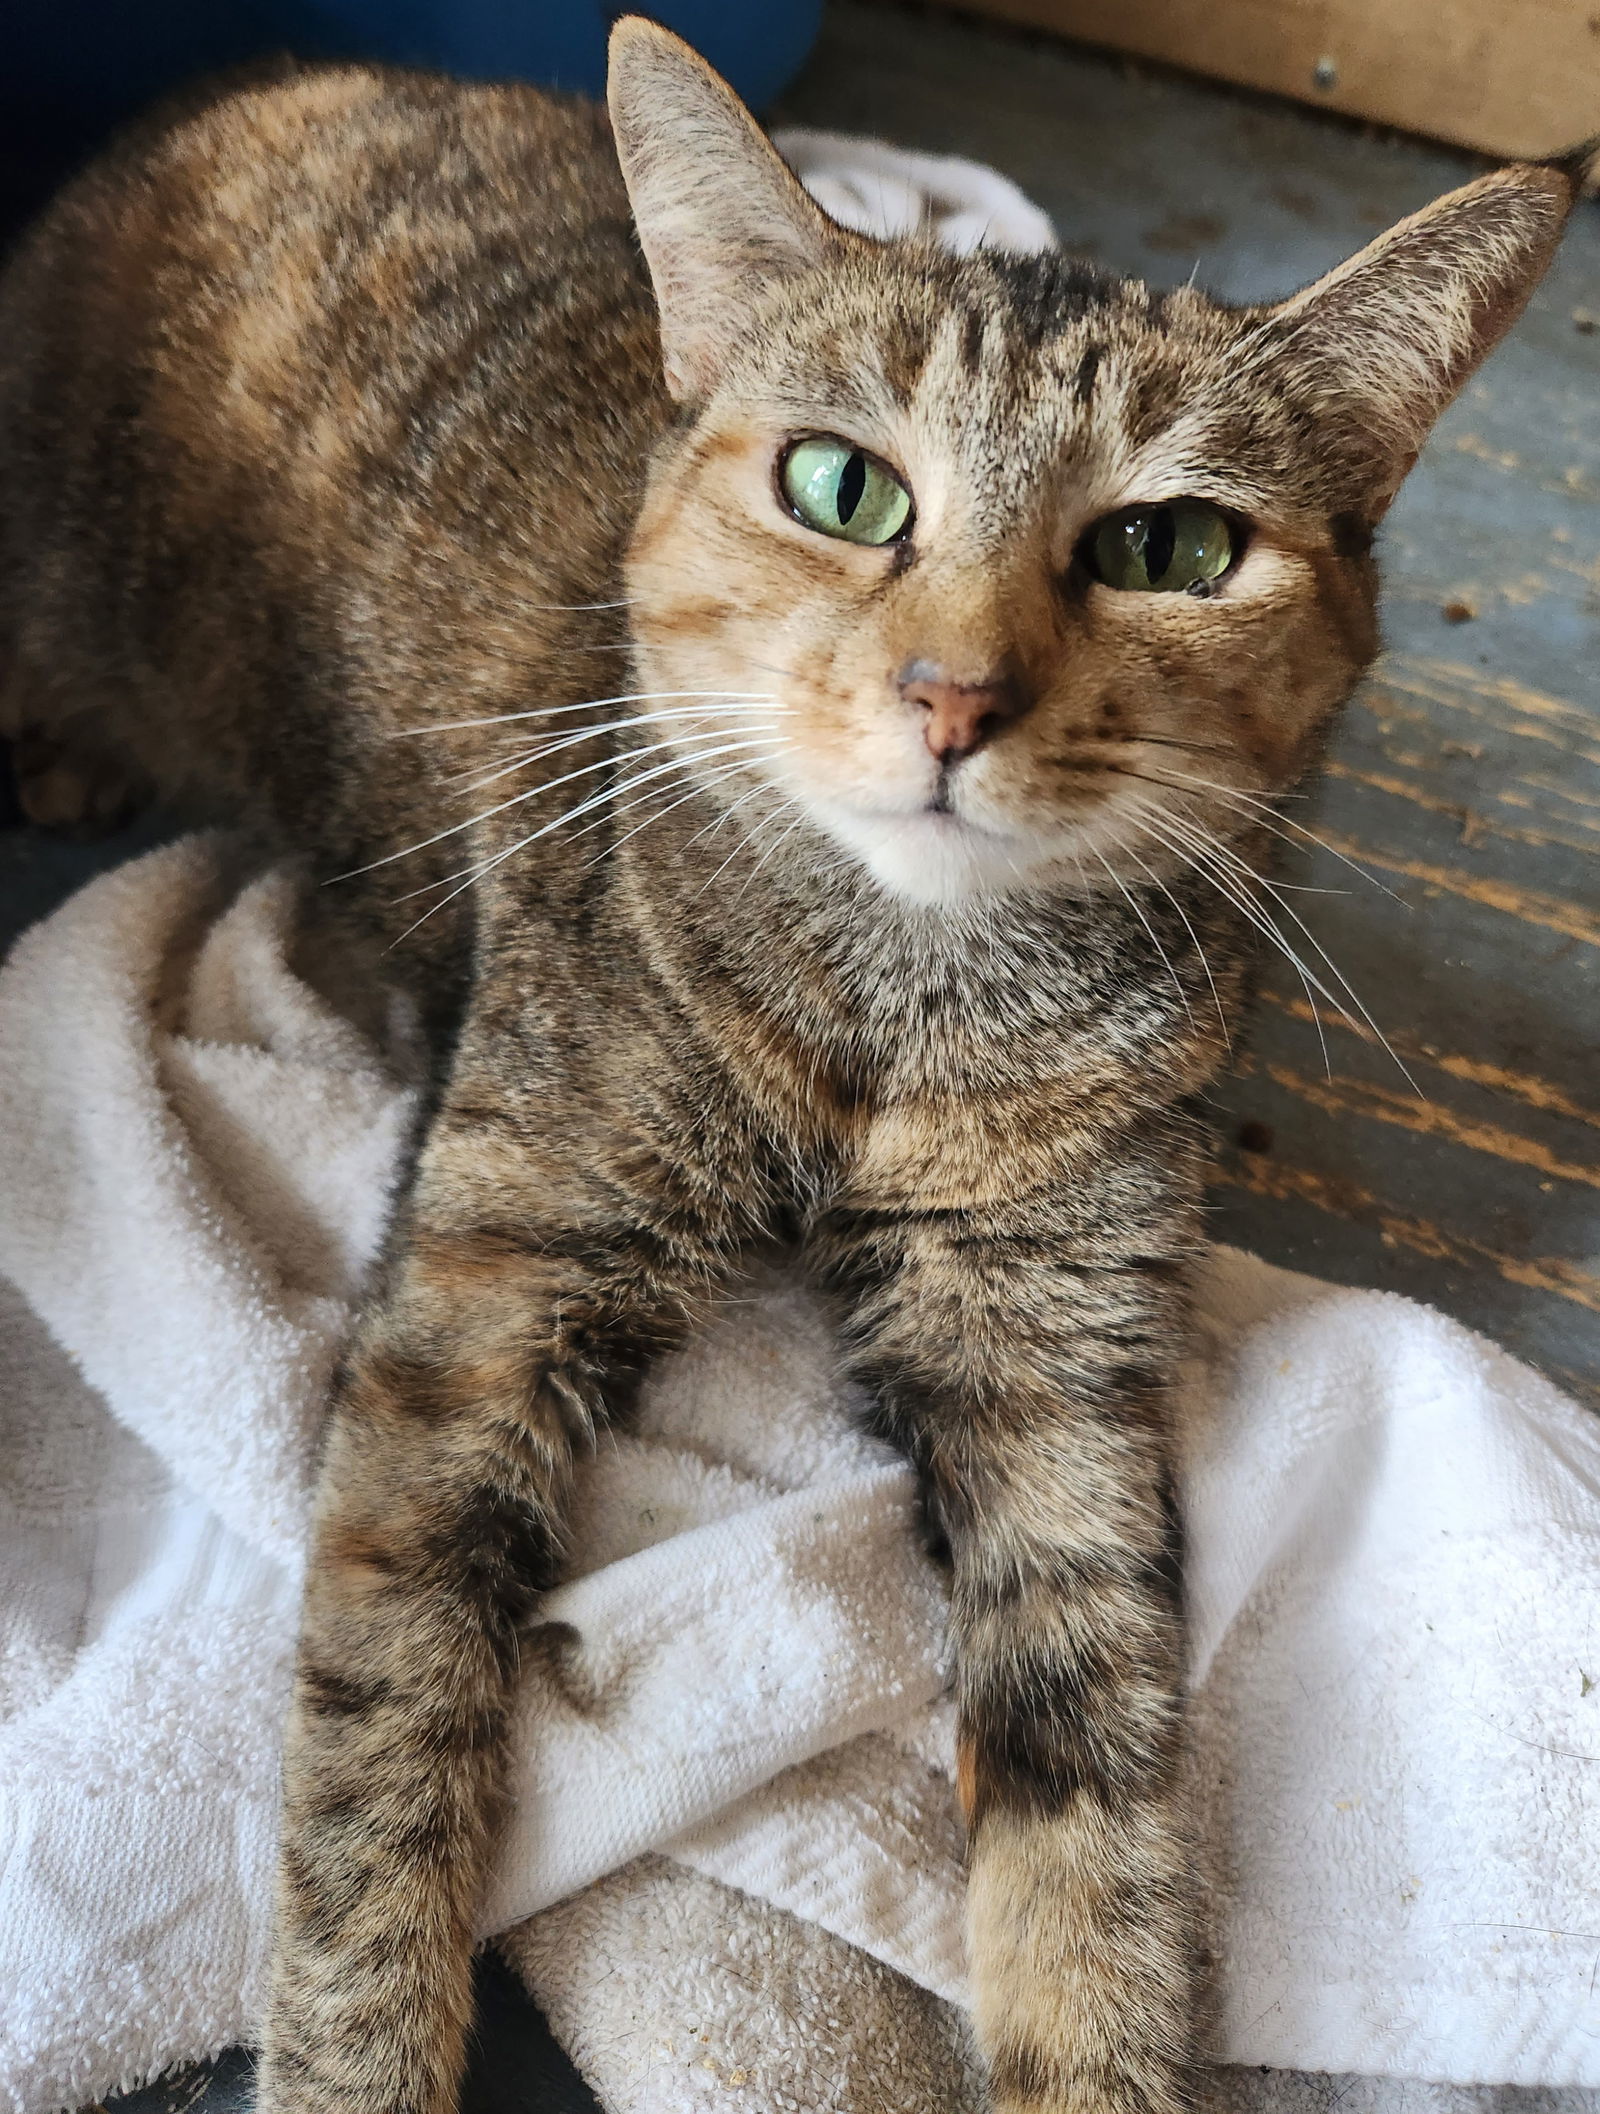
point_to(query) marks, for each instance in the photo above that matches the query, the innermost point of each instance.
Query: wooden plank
(1520, 79)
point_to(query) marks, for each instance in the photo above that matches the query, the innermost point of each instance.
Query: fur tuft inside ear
(719, 213)
(1380, 346)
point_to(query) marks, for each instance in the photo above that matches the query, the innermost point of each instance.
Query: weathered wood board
(1512, 77)
(1466, 777)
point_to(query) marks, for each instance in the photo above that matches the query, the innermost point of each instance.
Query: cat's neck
(804, 931)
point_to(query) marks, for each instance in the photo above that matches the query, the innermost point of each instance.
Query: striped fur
(336, 424)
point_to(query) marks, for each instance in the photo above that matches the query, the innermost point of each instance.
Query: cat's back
(345, 332)
(302, 250)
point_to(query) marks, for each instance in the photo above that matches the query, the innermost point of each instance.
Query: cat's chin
(937, 860)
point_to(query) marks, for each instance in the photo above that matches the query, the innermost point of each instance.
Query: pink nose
(962, 717)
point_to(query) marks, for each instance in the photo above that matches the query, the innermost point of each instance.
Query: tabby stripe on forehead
(973, 332)
(903, 355)
(1088, 368)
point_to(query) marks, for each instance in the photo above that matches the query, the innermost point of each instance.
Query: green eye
(842, 491)
(1180, 547)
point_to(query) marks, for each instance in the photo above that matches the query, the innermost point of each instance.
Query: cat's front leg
(1024, 1371)
(474, 1385)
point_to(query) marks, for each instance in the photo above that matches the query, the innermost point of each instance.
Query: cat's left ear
(1377, 349)
(719, 213)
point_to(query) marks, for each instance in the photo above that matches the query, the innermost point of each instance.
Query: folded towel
(1394, 1534)
(676, 1995)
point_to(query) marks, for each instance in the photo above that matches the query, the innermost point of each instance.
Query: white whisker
(1252, 913)
(1288, 909)
(749, 837)
(606, 726)
(1216, 996)
(1137, 908)
(609, 794)
(614, 792)
(1214, 851)
(584, 807)
(1279, 824)
(587, 704)
(575, 608)
(723, 814)
(776, 845)
(530, 793)
(728, 770)
(1247, 815)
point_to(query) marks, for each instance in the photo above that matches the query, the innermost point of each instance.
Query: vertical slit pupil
(852, 485)
(1160, 541)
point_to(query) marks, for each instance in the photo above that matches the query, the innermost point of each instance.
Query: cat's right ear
(719, 213)
(1378, 348)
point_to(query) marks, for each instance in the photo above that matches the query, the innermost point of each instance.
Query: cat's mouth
(931, 852)
(937, 812)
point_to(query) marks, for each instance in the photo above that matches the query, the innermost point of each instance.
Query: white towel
(883, 190)
(1394, 1539)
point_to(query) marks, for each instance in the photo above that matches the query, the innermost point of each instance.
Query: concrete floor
(1466, 778)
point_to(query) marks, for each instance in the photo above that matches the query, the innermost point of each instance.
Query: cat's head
(1027, 573)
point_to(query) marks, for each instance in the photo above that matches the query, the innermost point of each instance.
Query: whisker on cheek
(728, 770)
(674, 764)
(744, 844)
(1221, 866)
(617, 806)
(1255, 918)
(1157, 882)
(1275, 890)
(568, 778)
(1248, 816)
(1137, 908)
(571, 740)
(776, 845)
(1280, 825)
(728, 813)
(586, 704)
(575, 608)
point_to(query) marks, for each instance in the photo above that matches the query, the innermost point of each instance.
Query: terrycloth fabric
(675, 1995)
(1394, 1538)
(884, 190)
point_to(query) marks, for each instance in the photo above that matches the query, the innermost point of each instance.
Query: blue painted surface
(104, 56)
(70, 70)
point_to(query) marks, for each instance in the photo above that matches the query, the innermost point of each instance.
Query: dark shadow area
(516, 2065)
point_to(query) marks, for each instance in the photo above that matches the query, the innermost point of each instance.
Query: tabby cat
(803, 713)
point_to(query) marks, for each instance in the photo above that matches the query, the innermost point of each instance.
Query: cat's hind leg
(64, 775)
(73, 792)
